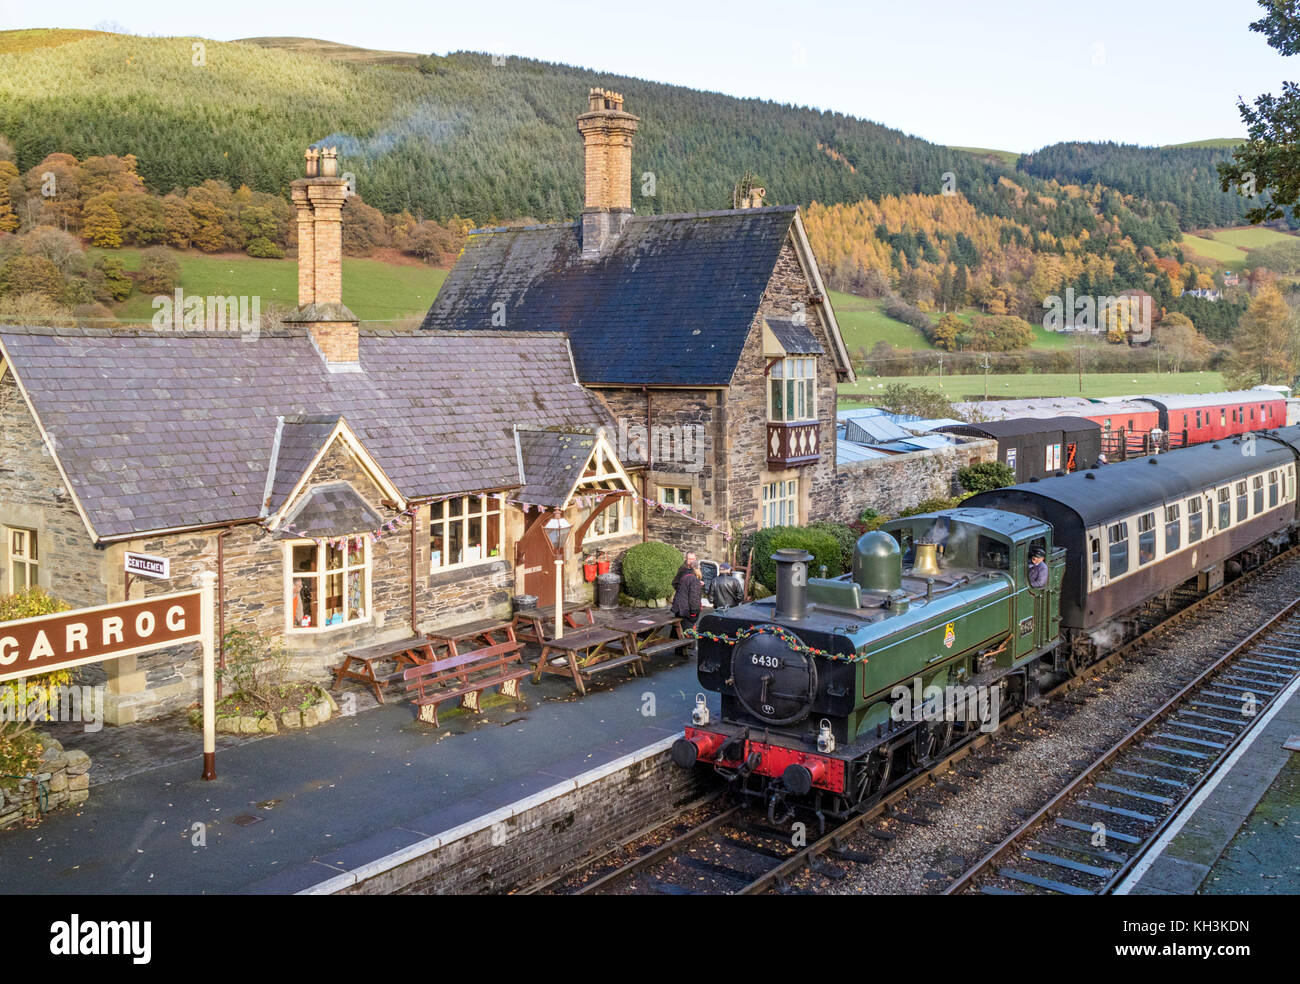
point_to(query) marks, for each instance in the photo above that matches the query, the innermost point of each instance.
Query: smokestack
(607, 138)
(791, 584)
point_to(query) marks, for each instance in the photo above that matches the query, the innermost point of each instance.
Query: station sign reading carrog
(88, 635)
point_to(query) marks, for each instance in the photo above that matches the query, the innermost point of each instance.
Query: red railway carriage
(1212, 416)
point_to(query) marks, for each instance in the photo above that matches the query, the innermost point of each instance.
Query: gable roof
(553, 462)
(298, 441)
(329, 510)
(795, 337)
(163, 431)
(670, 301)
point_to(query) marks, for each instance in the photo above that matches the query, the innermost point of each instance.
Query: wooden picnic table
(530, 623)
(480, 634)
(359, 664)
(584, 651)
(650, 634)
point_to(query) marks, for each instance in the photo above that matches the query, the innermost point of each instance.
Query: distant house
(1231, 280)
(709, 336)
(1204, 293)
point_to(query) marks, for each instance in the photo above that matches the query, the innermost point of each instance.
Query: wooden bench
(530, 624)
(359, 664)
(465, 675)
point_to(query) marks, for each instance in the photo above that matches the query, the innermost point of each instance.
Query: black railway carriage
(1036, 447)
(1137, 529)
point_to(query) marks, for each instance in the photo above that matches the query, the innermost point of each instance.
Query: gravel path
(989, 794)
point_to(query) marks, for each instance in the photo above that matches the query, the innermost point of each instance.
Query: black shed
(1039, 447)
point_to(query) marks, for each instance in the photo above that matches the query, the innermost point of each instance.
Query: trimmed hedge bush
(985, 476)
(824, 547)
(931, 505)
(844, 535)
(648, 570)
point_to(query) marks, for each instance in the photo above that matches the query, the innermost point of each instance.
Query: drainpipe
(645, 475)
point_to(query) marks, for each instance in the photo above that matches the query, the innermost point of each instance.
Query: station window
(328, 584)
(1146, 538)
(792, 393)
(1258, 487)
(1272, 489)
(1225, 507)
(1242, 503)
(1118, 537)
(618, 518)
(781, 503)
(1173, 528)
(464, 530)
(1194, 519)
(24, 559)
(675, 495)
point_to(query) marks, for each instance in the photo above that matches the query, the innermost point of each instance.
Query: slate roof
(298, 441)
(795, 337)
(670, 302)
(552, 463)
(173, 430)
(329, 510)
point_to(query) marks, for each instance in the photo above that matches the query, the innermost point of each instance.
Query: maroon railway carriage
(1213, 416)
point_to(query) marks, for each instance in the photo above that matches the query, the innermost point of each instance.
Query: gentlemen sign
(88, 635)
(144, 565)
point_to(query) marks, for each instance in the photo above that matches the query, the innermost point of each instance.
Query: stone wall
(891, 484)
(65, 776)
(787, 294)
(524, 843)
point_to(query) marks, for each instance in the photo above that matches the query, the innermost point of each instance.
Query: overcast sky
(1006, 74)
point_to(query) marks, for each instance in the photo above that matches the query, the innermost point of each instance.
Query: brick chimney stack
(318, 199)
(607, 137)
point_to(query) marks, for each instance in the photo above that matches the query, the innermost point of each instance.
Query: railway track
(735, 852)
(1092, 833)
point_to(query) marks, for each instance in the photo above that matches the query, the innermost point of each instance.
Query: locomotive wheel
(930, 740)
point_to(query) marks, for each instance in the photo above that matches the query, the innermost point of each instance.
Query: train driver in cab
(1037, 568)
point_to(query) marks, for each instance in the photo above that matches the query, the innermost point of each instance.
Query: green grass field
(863, 323)
(1007, 157)
(373, 289)
(1231, 247)
(1016, 386)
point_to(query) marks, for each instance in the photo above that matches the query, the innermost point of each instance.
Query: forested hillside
(1184, 176)
(471, 136)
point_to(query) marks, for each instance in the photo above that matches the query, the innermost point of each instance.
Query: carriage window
(1272, 489)
(1242, 512)
(1118, 536)
(1259, 493)
(994, 554)
(1198, 418)
(1223, 417)
(1096, 553)
(1172, 528)
(1225, 508)
(1146, 538)
(1193, 519)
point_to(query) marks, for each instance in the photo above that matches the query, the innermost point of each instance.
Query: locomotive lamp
(825, 739)
(557, 531)
(700, 716)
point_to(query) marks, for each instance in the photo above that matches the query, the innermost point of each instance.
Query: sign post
(91, 635)
(208, 579)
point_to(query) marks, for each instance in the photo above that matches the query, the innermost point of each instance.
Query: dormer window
(792, 390)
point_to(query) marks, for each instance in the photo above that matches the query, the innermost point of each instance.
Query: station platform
(1240, 834)
(289, 813)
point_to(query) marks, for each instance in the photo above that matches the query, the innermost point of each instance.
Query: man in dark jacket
(726, 591)
(688, 587)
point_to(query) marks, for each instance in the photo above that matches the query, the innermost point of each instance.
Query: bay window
(792, 390)
(328, 583)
